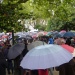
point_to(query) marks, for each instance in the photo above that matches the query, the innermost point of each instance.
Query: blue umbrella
(45, 56)
(69, 34)
(57, 35)
(73, 32)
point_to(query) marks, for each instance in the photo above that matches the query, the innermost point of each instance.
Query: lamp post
(12, 37)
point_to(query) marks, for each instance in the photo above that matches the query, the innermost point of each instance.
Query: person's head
(50, 36)
(8, 46)
(68, 41)
(25, 41)
(60, 41)
(63, 41)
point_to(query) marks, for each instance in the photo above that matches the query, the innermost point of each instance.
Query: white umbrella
(45, 56)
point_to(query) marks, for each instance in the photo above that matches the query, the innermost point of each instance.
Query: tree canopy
(59, 13)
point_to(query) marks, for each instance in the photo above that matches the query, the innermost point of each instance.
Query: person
(60, 41)
(67, 68)
(43, 72)
(50, 41)
(34, 72)
(23, 54)
(18, 69)
(68, 41)
(70, 67)
(3, 63)
(72, 43)
(10, 64)
(26, 71)
(61, 69)
(25, 49)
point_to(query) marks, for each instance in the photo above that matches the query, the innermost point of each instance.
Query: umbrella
(35, 44)
(49, 33)
(62, 31)
(73, 32)
(28, 37)
(41, 33)
(69, 34)
(18, 40)
(45, 56)
(34, 36)
(5, 36)
(25, 36)
(15, 50)
(67, 47)
(57, 35)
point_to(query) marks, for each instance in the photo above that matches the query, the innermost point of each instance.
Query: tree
(59, 11)
(9, 15)
(40, 27)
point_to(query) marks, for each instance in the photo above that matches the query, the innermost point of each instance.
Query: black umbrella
(15, 50)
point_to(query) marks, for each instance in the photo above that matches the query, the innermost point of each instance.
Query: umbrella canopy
(41, 33)
(49, 33)
(15, 50)
(69, 34)
(34, 36)
(62, 31)
(35, 44)
(28, 37)
(73, 32)
(45, 56)
(5, 36)
(67, 47)
(57, 35)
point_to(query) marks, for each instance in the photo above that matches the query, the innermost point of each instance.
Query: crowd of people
(13, 65)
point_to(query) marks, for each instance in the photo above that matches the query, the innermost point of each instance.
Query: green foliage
(39, 27)
(9, 15)
(54, 24)
(67, 26)
(60, 12)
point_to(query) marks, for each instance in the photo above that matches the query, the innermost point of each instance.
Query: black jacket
(3, 64)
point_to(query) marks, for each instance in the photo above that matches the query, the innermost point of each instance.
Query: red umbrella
(67, 47)
(4, 36)
(62, 31)
(34, 36)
